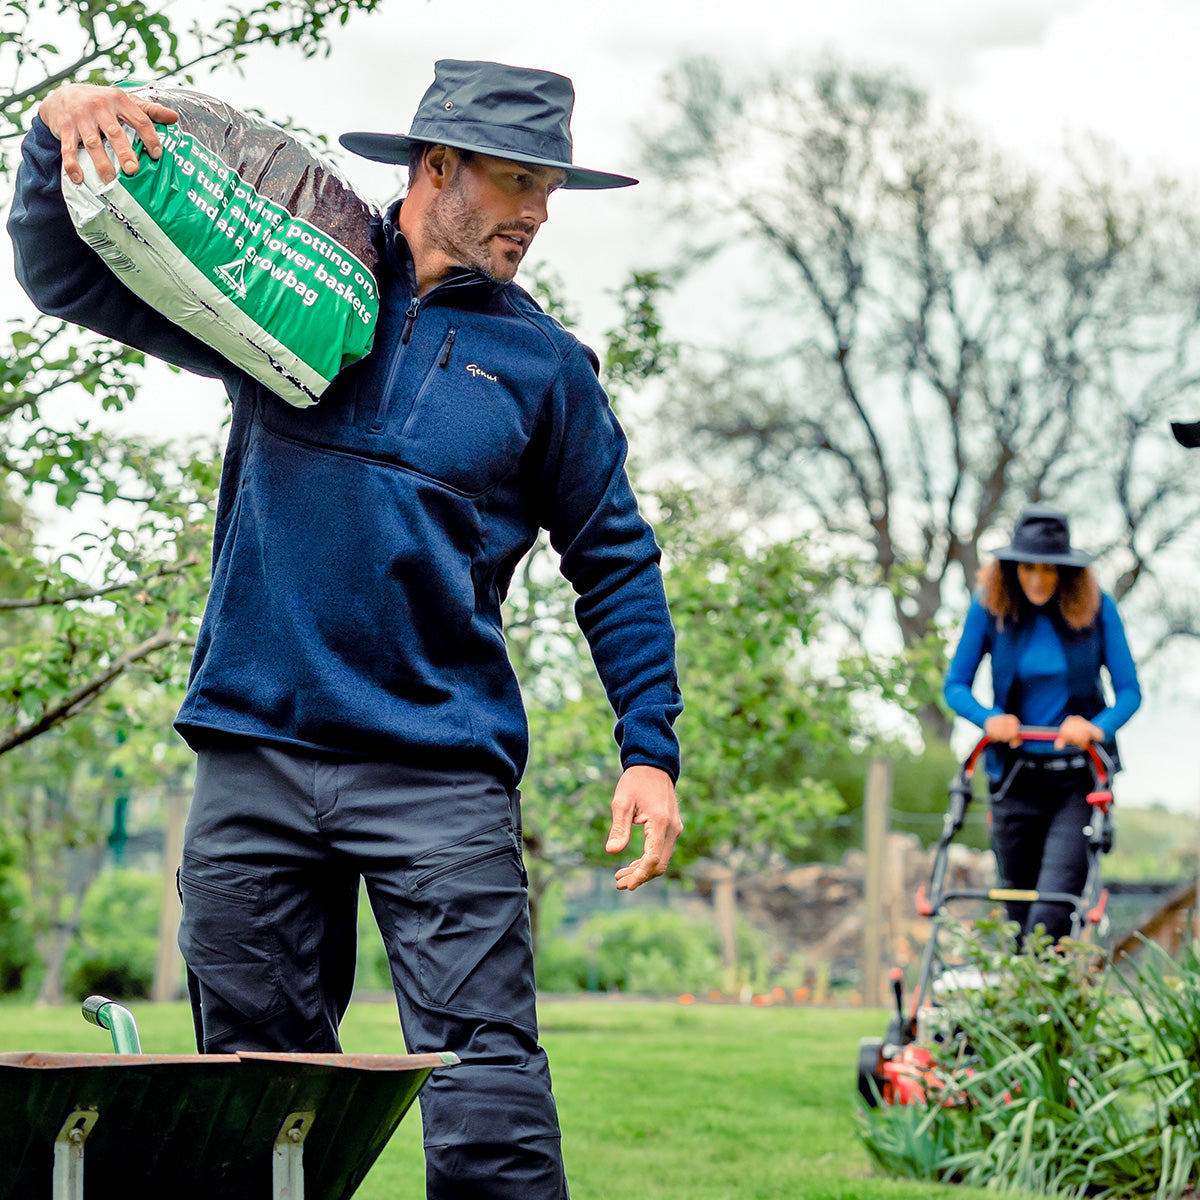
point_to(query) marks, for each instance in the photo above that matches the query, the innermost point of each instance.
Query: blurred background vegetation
(932, 337)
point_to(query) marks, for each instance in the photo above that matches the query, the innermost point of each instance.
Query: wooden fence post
(876, 803)
(166, 966)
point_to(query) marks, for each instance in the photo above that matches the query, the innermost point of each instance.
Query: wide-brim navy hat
(1043, 535)
(490, 108)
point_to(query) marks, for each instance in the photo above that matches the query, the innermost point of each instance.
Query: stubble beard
(465, 237)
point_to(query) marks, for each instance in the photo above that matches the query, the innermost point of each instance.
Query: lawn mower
(897, 1068)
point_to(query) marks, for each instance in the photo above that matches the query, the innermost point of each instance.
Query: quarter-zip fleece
(363, 547)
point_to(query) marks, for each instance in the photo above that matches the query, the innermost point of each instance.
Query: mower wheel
(870, 1070)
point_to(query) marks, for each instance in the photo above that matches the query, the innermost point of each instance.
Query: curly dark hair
(1000, 592)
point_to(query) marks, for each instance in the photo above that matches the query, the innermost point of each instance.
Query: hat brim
(1072, 558)
(395, 148)
(1187, 433)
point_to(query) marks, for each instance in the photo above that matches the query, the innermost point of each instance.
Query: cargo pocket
(228, 938)
(473, 945)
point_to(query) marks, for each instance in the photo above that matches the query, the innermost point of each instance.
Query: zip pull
(444, 358)
(410, 317)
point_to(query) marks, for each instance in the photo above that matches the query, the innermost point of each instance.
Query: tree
(940, 335)
(62, 780)
(130, 595)
(765, 716)
(95, 640)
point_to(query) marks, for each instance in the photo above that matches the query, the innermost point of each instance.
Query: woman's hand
(1078, 731)
(1004, 728)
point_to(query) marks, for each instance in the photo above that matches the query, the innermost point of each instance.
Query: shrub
(17, 953)
(659, 952)
(1066, 1079)
(114, 954)
(1167, 995)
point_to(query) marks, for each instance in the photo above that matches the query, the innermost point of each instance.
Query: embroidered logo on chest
(477, 372)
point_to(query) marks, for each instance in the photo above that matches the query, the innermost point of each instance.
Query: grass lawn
(658, 1101)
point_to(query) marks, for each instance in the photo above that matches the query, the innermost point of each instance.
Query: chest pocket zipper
(443, 362)
(385, 400)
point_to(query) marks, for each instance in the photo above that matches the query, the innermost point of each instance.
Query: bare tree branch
(90, 691)
(46, 600)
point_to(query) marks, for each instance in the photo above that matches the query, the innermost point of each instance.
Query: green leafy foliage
(95, 635)
(1057, 1075)
(654, 952)
(1167, 995)
(638, 348)
(17, 951)
(118, 938)
(762, 720)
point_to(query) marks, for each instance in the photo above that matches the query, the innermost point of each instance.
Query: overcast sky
(1027, 71)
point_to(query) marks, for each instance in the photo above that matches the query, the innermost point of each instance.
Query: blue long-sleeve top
(1043, 671)
(363, 546)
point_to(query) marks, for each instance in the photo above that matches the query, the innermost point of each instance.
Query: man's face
(489, 210)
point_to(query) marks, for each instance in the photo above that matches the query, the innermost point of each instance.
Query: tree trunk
(725, 909)
(52, 949)
(54, 942)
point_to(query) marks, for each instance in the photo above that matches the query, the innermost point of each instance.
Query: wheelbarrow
(199, 1126)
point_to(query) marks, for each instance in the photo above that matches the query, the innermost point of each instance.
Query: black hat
(508, 112)
(1187, 433)
(1042, 535)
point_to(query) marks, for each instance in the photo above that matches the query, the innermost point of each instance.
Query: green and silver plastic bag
(244, 237)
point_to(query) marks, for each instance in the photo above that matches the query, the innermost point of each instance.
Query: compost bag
(245, 237)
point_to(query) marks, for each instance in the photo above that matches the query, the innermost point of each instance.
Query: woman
(1048, 628)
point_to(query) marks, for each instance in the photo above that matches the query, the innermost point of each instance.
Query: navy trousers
(1038, 821)
(275, 846)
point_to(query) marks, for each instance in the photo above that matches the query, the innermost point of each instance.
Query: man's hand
(644, 796)
(1077, 731)
(1004, 728)
(87, 115)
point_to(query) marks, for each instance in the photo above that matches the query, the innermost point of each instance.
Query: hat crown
(516, 110)
(1043, 534)
(1043, 529)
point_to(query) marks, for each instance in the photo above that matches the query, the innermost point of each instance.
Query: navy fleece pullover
(363, 546)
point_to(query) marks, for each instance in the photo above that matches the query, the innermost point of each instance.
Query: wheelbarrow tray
(195, 1127)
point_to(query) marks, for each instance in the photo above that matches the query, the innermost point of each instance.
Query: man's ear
(437, 163)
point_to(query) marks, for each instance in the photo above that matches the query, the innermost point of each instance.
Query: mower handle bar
(1101, 764)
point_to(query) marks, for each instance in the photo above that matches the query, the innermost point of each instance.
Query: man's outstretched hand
(644, 796)
(86, 115)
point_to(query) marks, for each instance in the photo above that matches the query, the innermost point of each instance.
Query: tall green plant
(1167, 994)
(1055, 1076)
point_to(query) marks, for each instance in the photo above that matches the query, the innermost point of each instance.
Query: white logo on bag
(233, 275)
(477, 372)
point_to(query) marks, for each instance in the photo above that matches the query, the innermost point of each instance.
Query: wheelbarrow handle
(100, 1010)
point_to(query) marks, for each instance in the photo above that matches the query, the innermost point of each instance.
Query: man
(351, 702)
